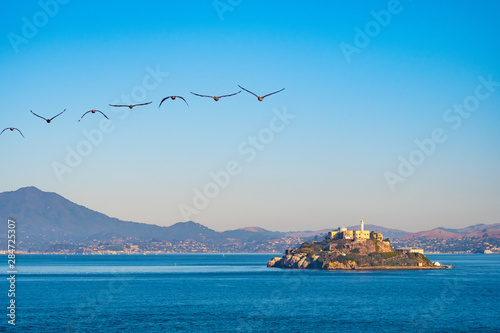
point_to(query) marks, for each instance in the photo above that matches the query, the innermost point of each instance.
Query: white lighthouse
(362, 226)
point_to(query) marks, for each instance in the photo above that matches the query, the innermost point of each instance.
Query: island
(354, 250)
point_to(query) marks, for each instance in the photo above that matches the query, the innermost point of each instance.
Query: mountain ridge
(46, 219)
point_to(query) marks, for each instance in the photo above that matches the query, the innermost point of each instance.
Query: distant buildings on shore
(410, 250)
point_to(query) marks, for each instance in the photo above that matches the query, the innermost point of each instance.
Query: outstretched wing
(142, 104)
(183, 99)
(163, 100)
(231, 94)
(4, 130)
(38, 115)
(119, 106)
(19, 132)
(84, 115)
(201, 95)
(102, 113)
(57, 115)
(273, 93)
(248, 91)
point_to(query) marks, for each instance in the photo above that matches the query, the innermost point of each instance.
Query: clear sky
(391, 110)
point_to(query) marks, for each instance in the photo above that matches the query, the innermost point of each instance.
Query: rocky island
(353, 249)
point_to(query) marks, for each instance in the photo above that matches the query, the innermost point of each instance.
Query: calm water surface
(216, 293)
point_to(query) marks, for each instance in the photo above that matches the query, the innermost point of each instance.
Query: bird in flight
(216, 98)
(129, 106)
(260, 98)
(47, 120)
(94, 111)
(173, 97)
(12, 128)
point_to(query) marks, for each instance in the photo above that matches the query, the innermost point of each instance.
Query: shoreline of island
(376, 268)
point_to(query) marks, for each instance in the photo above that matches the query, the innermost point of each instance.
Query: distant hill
(46, 220)
(473, 228)
(431, 234)
(252, 234)
(475, 239)
(189, 230)
(44, 217)
(478, 231)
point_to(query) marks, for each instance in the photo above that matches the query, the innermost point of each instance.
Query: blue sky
(334, 160)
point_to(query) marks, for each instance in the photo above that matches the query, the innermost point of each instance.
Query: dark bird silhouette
(173, 97)
(260, 98)
(47, 120)
(216, 98)
(93, 111)
(129, 106)
(11, 129)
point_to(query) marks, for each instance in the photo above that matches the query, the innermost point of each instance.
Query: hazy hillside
(476, 239)
(431, 234)
(473, 228)
(45, 218)
(48, 222)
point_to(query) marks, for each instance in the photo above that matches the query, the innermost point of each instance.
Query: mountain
(473, 228)
(46, 217)
(46, 221)
(190, 230)
(476, 238)
(431, 234)
(251, 234)
(477, 231)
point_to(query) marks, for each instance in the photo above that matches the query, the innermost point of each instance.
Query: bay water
(238, 293)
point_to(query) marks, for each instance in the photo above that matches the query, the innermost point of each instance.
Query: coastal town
(464, 245)
(132, 245)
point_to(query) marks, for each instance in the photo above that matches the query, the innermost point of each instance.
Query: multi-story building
(343, 233)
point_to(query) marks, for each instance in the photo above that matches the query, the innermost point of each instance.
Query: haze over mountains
(47, 218)
(47, 222)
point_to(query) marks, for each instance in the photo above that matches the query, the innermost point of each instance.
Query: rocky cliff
(335, 254)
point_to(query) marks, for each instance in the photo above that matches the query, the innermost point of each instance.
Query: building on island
(332, 234)
(343, 233)
(410, 250)
(376, 235)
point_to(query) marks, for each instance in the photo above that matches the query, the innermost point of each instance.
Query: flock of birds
(215, 98)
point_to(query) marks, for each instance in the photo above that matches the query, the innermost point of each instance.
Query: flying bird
(130, 106)
(11, 129)
(94, 111)
(173, 97)
(47, 120)
(260, 98)
(216, 98)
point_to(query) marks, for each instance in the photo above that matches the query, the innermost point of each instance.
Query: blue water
(215, 293)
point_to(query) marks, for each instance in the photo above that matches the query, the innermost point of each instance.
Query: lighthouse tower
(362, 226)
